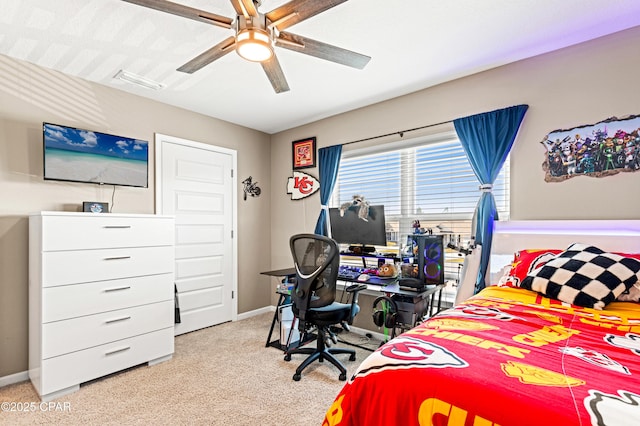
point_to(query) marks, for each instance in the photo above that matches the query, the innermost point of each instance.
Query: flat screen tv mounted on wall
(78, 155)
(360, 233)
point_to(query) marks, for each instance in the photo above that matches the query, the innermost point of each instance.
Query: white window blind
(430, 181)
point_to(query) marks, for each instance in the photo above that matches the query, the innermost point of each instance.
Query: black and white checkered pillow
(585, 276)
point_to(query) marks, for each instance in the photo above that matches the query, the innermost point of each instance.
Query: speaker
(430, 254)
(387, 318)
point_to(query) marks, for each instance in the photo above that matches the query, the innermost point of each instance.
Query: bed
(512, 355)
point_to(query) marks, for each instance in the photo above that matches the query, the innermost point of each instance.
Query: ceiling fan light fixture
(254, 44)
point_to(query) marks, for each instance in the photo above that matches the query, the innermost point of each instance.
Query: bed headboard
(512, 236)
(609, 235)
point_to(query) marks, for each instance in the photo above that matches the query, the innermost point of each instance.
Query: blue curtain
(487, 139)
(329, 163)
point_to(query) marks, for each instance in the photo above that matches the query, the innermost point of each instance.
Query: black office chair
(313, 300)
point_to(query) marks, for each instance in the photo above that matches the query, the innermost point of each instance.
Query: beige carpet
(221, 375)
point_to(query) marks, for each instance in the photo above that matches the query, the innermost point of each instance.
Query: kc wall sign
(301, 185)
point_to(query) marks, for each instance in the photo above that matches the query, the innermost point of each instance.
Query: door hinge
(232, 233)
(231, 172)
(233, 294)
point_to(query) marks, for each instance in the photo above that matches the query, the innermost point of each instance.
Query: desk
(287, 273)
(413, 305)
(425, 298)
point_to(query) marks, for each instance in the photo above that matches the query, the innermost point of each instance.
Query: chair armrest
(355, 289)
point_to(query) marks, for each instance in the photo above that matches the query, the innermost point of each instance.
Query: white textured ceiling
(414, 44)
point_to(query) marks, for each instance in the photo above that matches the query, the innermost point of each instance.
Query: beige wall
(578, 85)
(30, 95)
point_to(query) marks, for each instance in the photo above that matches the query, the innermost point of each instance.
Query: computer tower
(428, 251)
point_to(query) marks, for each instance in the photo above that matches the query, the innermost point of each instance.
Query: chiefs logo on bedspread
(618, 410)
(629, 341)
(596, 358)
(407, 352)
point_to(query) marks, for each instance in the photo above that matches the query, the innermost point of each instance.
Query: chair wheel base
(342, 377)
(296, 377)
(287, 357)
(352, 357)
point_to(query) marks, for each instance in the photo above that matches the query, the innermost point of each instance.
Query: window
(427, 179)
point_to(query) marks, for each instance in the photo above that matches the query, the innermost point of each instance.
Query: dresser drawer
(71, 301)
(78, 266)
(78, 367)
(105, 231)
(61, 337)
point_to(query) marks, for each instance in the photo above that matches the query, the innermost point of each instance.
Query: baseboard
(364, 332)
(14, 378)
(256, 312)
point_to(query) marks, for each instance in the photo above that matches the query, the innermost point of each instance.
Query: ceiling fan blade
(205, 58)
(322, 50)
(185, 11)
(298, 10)
(275, 75)
(237, 6)
(245, 7)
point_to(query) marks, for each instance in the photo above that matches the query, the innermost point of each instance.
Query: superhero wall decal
(602, 149)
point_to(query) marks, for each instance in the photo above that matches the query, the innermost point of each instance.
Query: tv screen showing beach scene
(78, 155)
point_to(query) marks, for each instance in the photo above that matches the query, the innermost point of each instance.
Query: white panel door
(195, 183)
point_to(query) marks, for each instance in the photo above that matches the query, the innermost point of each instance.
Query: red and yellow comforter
(505, 357)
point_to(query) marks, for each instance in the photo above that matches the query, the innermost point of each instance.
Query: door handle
(117, 258)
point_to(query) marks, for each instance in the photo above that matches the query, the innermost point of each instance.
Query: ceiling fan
(256, 33)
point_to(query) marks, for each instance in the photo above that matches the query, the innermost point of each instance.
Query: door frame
(159, 140)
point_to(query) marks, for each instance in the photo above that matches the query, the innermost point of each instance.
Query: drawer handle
(117, 258)
(117, 226)
(111, 321)
(108, 290)
(115, 351)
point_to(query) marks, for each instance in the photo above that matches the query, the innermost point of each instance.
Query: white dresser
(101, 296)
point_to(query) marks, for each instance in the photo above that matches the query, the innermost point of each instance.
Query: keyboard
(347, 273)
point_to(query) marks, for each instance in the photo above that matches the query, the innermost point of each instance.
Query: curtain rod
(399, 132)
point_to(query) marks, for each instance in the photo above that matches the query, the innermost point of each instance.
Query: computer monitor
(361, 231)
